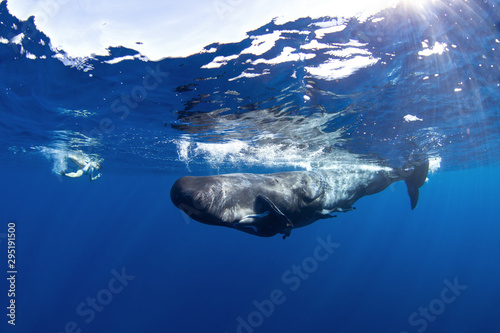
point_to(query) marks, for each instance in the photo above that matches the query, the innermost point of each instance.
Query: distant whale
(268, 204)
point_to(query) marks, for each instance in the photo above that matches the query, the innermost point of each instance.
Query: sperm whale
(268, 204)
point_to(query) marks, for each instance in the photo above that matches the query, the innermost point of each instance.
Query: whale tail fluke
(415, 180)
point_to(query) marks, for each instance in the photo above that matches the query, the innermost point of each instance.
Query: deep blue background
(190, 277)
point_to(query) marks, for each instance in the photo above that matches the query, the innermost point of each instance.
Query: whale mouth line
(190, 211)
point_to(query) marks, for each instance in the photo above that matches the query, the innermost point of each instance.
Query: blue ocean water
(115, 255)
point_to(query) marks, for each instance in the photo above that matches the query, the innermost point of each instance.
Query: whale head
(223, 201)
(191, 195)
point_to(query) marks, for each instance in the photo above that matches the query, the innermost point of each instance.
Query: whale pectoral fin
(287, 234)
(253, 218)
(270, 206)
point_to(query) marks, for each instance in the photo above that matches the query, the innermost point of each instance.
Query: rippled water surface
(308, 93)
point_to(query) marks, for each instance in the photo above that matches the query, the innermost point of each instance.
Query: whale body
(268, 204)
